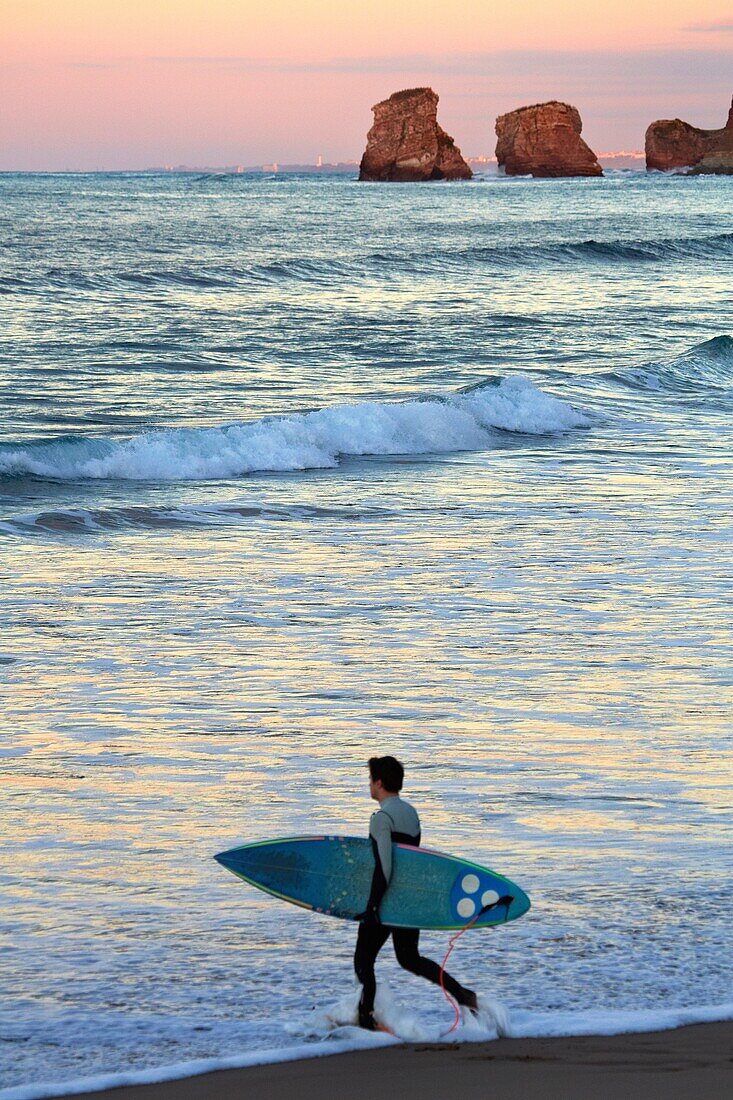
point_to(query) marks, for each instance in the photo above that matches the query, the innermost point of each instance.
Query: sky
(119, 84)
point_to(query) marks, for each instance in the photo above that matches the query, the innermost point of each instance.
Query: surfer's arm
(380, 834)
(380, 830)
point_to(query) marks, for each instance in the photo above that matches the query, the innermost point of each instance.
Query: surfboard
(333, 874)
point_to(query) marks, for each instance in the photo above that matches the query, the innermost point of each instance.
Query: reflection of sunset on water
(447, 476)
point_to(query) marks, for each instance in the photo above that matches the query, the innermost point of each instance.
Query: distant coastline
(479, 163)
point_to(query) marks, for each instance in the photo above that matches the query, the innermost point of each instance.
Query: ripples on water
(507, 561)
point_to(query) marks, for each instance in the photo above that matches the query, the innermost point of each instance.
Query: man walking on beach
(395, 821)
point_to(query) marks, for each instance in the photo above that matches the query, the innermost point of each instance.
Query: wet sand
(664, 1065)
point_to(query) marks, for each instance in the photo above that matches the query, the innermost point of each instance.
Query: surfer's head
(385, 775)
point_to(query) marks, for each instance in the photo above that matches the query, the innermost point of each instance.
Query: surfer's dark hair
(389, 770)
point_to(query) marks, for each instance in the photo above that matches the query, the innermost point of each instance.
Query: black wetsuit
(372, 933)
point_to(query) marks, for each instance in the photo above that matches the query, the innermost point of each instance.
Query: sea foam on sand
(339, 1038)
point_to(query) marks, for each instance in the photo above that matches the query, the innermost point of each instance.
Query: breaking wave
(141, 517)
(329, 270)
(564, 252)
(463, 421)
(705, 369)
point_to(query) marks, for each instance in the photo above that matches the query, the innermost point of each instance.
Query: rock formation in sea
(407, 144)
(544, 140)
(672, 143)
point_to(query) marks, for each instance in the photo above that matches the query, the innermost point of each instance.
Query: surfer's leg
(369, 942)
(408, 956)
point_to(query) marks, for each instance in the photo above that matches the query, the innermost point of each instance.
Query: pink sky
(131, 84)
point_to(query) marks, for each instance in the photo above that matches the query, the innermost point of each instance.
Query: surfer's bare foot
(471, 1002)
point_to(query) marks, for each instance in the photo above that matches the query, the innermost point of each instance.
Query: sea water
(294, 471)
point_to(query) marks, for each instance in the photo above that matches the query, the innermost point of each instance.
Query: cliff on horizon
(544, 141)
(406, 143)
(672, 143)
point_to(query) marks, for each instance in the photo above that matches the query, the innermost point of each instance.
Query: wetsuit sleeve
(380, 834)
(380, 830)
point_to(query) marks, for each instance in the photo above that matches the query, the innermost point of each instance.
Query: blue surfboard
(333, 874)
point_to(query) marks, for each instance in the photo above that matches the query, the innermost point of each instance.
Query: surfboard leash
(506, 902)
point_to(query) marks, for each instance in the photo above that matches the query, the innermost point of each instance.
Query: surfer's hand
(369, 916)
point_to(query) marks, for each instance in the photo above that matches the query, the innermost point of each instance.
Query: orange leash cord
(506, 902)
(451, 1000)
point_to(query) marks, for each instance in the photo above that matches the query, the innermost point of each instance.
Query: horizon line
(264, 166)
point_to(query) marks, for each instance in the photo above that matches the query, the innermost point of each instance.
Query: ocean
(295, 471)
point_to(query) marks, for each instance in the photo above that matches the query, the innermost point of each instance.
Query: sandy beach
(669, 1065)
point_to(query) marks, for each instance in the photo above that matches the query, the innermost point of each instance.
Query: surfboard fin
(506, 901)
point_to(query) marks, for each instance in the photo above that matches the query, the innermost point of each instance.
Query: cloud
(716, 27)
(643, 66)
(590, 73)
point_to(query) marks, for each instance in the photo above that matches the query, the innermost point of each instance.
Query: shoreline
(672, 1064)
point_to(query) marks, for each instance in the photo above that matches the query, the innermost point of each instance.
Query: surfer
(395, 821)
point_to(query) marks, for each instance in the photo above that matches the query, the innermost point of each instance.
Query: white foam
(491, 1021)
(314, 440)
(599, 1021)
(337, 1035)
(403, 1024)
(181, 1070)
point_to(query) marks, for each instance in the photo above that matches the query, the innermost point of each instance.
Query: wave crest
(325, 271)
(706, 368)
(313, 440)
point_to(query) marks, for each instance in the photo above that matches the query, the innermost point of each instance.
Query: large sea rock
(407, 144)
(544, 140)
(672, 143)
